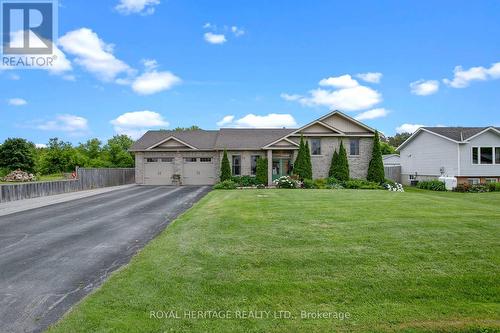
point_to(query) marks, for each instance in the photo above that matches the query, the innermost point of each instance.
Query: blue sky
(130, 65)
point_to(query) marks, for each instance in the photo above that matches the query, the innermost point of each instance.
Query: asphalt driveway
(52, 256)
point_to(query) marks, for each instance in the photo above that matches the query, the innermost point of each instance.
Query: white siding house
(471, 154)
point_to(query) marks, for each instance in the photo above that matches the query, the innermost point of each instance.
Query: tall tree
(299, 165)
(334, 164)
(398, 139)
(387, 149)
(190, 128)
(308, 174)
(376, 168)
(225, 169)
(17, 153)
(341, 170)
(117, 152)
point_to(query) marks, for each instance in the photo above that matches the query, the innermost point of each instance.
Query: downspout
(458, 162)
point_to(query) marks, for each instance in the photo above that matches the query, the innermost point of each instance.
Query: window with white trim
(315, 146)
(151, 160)
(486, 155)
(236, 165)
(474, 181)
(206, 159)
(491, 180)
(354, 147)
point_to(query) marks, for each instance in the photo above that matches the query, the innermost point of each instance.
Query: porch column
(269, 167)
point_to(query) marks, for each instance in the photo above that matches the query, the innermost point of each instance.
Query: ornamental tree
(225, 169)
(308, 174)
(376, 171)
(261, 173)
(334, 164)
(341, 169)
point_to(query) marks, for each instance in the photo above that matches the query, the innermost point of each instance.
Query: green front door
(281, 167)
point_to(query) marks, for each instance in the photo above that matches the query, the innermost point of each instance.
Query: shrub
(361, 184)
(465, 187)
(245, 181)
(376, 166)
(302, 166)
(389, 182)
(225, 185)
(341, 169)
(320, 183)
(494, 187)
(225, 168)
(286, 182)
(432, 185)
(394, 188)
(308, 183)
(261, 174)
(334, 163)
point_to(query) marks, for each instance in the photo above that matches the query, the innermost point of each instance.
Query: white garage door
(158, 170)
(198, 171)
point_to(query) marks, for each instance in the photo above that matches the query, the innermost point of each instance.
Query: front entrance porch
(279, 163)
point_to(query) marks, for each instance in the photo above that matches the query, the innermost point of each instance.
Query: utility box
(449, 182)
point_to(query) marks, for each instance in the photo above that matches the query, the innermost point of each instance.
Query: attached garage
(198, 171)
(158, 170)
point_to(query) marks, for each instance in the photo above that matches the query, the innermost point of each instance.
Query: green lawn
(416, 262)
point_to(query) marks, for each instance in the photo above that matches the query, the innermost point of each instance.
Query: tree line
(59, 156)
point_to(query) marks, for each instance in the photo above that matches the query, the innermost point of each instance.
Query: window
(206, 159)
(190, 159)
(167, 159)
(491, 180)
(151, 160)
(473, 181)
(475, 155)
(316, 146)
(236, 165)
(354, 147)
(486, 155)
(253, 164)
(412, 177)
(497, 155)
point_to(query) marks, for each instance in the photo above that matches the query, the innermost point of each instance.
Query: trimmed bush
(341, 169)
(494, 187)
(286, 182)
(245, 181)
(376, 171)
(320, 183)
(432, 185)
(308, 183)
(225, 185)
(308, 173)
(299, 167)
(361, 184)
(261, 176)
(225, 169)
(333, 164)
(480, 188)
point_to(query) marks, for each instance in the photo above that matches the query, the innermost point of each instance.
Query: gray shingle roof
(457, 133)
(229, 138)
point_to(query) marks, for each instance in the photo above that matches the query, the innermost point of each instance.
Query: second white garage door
(198, 171)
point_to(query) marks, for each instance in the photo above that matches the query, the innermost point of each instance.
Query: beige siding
(343, 124)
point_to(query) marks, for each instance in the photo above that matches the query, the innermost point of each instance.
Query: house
(193, 157)
(472, 154)
(391, 160)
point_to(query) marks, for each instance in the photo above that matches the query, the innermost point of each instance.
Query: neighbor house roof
(457, 134)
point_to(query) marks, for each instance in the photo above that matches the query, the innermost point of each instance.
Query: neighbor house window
(497, 155)
(473, 181)
(491, 180)
(486, 155)
(475, 155)
(151, 160)
(206, 159)
(190, 159)
(315, 146)
(354, 147)
(253, 164)
(236, 165)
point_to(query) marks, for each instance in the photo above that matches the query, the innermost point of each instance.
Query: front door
(281, 167)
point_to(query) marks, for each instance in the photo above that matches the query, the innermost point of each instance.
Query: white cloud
(144, 7)
(237, 31)
(17, 102)
(347, 99)
(208, 25)
(15, 77)
(424, 88)
(71, 124)
(225, 121)
(212, 38)
(135, 124)
(93, 54)
(150, 64)
(154, 82)
(343, 81)
(370, 77)
(288, 97)
(372, 114)
(272, 120)
(408, 128)
(462, 78)
(40, 145)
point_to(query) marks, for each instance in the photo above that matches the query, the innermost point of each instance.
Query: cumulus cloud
(213, 38)
(225, 121)
(343, 81)
(40, 145)
(144, 7)
(372, 114)
(463, 77)
(408, 128)
(17, 102)
(237, 31)
(371, 77)
(153, 82)
(347, 95)
(135, 124)
(424, 88)
(272, 120)
(93, 54)
(74, 125)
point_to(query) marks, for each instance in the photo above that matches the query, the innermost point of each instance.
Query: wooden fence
(86, 179)
(393, 172)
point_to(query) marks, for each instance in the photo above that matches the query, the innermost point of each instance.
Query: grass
(415, 262)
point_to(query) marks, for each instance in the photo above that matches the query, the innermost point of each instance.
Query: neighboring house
(472, 154)
(391, 160)
(194, 157)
